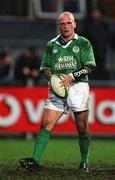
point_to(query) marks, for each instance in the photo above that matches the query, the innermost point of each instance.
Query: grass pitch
(59, 162)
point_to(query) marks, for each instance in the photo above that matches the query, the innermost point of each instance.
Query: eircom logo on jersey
(21, 110)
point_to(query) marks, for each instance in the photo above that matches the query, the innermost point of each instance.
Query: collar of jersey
(64, 46)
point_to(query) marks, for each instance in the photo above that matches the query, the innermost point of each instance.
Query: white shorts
(77, 100)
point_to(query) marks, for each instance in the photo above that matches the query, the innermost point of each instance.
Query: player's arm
(45, 67)
(87, 60)
(80, 73)
(88, 64)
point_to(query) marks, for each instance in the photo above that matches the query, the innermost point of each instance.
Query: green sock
(84, 141)
(41, 143)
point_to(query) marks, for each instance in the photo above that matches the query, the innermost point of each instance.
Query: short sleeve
(87, 54)
(47, 57)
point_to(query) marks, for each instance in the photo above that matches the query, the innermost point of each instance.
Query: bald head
(66, 14)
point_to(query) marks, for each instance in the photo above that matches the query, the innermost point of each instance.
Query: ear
(75, 24)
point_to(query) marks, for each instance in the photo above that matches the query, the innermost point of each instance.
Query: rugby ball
(58, 89)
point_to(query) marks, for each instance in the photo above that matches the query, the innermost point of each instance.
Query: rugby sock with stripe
(41, 143)
(84, 141)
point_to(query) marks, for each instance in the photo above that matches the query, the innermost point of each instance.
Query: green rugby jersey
(67, 58)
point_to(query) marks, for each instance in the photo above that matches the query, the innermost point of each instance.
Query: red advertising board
(21, 110)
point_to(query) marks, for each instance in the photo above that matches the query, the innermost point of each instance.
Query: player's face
(67, 25)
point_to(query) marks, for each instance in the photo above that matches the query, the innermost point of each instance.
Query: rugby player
(72, 56)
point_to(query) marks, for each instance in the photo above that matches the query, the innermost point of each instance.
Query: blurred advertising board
(21, 110)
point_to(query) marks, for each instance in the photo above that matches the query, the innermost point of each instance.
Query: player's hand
(48, 74)
(67, 79)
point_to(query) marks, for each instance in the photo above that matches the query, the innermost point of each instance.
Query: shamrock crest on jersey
(75, 49)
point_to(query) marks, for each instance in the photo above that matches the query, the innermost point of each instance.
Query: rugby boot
(83, 167)
(29, 164)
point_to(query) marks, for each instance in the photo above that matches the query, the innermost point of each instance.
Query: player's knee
(47, 125)
(83, 131)
(82, 127)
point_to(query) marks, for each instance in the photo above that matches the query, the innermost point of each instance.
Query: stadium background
(25, 23)
(33, 23)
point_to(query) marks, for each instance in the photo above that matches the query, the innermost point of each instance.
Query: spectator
(97, 31)
(5, 62)
(27, 66)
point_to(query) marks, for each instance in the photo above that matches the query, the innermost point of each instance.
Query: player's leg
(84, 137)
(78, 101)
(50, 118)
(53, 110)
